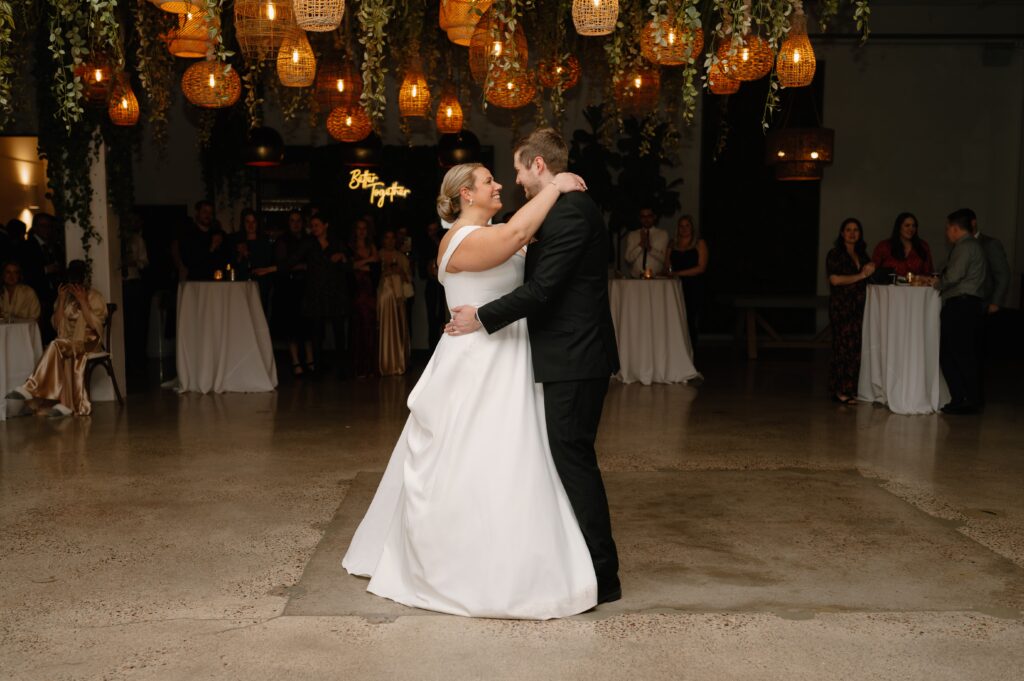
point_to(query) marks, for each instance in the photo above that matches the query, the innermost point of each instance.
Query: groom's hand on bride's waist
(464, 320)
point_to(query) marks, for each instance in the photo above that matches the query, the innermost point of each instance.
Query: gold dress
(393, 344)
(60, 374)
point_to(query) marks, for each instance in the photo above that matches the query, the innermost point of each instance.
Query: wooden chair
(102, 358)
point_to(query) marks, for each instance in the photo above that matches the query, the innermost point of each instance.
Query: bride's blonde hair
(449, 201)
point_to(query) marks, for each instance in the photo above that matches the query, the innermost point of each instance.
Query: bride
(471, 517)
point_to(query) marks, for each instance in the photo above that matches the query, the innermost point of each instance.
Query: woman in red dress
(905, 252)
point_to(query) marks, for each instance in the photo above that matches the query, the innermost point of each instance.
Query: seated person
(59, 378)
(904, 252)
(17, 301)
(647, 247)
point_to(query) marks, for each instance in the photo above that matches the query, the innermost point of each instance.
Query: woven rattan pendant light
(211, 84)
(681, 45)
(123, 107)
(512, 89)
(551, 72)
(449, 112)
(349, 124)
(751, 60)
(719, 83)
(637, 91)
(796, 63)
(191, 40)
(338, 83)
(414, 95)
(296, 63)
(261, 26)
(458, 18)
(799, 153)
(318, 16)
(96, 78)
(489, 43)
(179, 6)
(595, 17)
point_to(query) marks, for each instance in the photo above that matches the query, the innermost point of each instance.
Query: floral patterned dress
(846, 315)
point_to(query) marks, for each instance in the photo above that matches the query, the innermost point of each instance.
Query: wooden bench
(748, 318)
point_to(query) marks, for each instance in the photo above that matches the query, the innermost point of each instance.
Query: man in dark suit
(565, 302)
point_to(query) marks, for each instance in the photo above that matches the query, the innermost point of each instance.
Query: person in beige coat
(17, 301)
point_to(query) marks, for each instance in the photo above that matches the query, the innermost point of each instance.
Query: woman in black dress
(848, 267)
(289, 292)
(688, 260)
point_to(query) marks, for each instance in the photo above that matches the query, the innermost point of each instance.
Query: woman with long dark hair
(688, 260)
(848, 268)
(364, 314)
(904, 252)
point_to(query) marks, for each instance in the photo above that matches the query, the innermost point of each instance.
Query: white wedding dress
(471, 517)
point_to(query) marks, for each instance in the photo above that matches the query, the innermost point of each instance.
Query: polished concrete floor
(765, 534)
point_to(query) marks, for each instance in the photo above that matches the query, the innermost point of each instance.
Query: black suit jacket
(565, 296)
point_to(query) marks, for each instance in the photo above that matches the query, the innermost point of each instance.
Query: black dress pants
(958, 349)
(572, 410)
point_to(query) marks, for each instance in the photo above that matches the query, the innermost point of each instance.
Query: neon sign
(379, 192)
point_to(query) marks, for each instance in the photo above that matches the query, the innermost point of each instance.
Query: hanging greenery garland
(373, 19)
(155, 66)
(7, 69)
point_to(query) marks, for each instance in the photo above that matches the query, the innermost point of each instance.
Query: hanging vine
(155, 66)
(373, 18)
(7, 69)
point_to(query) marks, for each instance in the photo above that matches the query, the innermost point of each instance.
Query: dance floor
(765, 533)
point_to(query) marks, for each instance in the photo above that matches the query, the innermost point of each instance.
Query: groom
(565, 300)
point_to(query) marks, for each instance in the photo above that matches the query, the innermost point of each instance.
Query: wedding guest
(962, 285)
(904, 252)
(17, 300)
(134, 260)
(688, 260)
(848, 268)
(8, 240)
(395, 287)
(252, 253)
(437, 306)
(326, 299)
(199, 248)
(646, 247)
(997, 281)
(364, 319)
(42, 266)
(289, 293)
(59, 378)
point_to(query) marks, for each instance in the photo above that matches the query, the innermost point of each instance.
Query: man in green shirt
(962, 286)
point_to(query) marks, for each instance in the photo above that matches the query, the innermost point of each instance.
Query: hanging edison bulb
(349, 124)
(414, 95)
(551, 72)
(796, 63)
(458, 18)
(681, 45)
(637, 91)
(262, 25)
(449, 112)
(123, 107)
(719, 83)
(489, 43)
(191, 40)
(319, 15)
(338, 83)
(512, 89)
(595, 17)
(751, 59)
(211, 84)
(296, 63)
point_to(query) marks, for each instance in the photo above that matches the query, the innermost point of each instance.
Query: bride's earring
(471, 202)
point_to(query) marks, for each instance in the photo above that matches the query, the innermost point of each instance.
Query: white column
(106, 271)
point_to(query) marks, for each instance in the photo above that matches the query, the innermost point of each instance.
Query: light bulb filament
(295, 56)
(448, 112)
(497, 48)
(271, 11)
(638, 81)
(99, 75)
(796, 56)
(213, 82)
(341, 85)
(671, 37)
(745, 54)
(414, 91)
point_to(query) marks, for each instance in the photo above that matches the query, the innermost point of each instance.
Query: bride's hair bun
(449, 201)
(446, 208)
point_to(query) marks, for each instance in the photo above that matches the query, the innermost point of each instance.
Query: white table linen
(650, 328)
(899, 362)
(20, 349)
(223, 342)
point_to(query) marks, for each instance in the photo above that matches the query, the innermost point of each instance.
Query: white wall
(926, 128)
